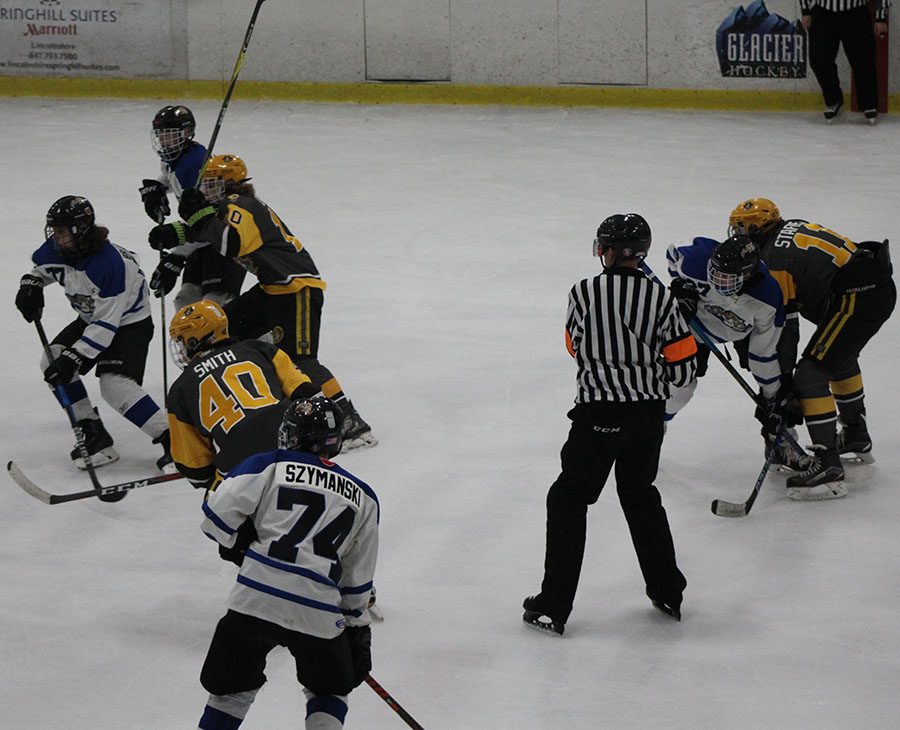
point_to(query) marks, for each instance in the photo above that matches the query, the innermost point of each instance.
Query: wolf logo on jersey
(729, 318)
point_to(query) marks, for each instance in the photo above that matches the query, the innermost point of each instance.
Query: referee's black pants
(629, 436)
(852, 28)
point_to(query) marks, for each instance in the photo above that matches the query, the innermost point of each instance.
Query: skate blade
(365, 441)
(544, 627)
(828, 490)
(101, 458)
(857, 457)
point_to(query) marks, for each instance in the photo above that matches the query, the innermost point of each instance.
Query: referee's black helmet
(627, 234)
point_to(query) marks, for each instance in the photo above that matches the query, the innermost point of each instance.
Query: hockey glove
(360, 640)
(246, 536)
(194, 207)
(169, 235)
(30, 299)
(155, 199)
(64, 368)
(166, 274)
(687, 296)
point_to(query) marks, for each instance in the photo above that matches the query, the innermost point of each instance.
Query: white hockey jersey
(107, 289)
(757, 312)
(312, 565)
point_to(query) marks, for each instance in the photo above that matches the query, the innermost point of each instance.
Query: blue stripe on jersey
(105, 325)
(293, 597)
(355, 590)
(289, 568)
(96, 345)
(766, 381)
(46, 254)
(138, 302)
(328, 705)
(217, 521)
(142, 411)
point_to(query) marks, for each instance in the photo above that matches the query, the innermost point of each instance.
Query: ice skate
(831, 112)
(854, 443)
(787, 459)
(871, 116)
(357, 433)
(98, 443)
(164, 462)
(822, 480)
(537, 618)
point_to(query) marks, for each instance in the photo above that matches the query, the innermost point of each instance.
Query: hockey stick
(67, 405)
(234, 75)
(730, 509)
(165, 353)
(701, 333)
(392, 703)
(47, 498)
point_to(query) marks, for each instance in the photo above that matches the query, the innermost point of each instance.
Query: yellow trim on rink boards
(422, 93)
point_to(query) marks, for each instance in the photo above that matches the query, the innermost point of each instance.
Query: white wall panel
(408, 40)
(504, 41)
(603, 42)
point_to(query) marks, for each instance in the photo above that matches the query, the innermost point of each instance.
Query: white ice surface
(449, 238)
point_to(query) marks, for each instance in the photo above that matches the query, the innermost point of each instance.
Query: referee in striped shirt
(630, 342)
(846, 22)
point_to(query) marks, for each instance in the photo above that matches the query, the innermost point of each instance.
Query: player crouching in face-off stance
(105, 286)
(225, 213)
(306, 571)
(728, 293)
(846, 290)
(229, 400)
(630, 342)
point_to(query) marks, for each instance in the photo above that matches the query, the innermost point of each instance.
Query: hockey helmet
(221, 173)
(731, 265)
(752, 217)
(312, 425)
(628, 235)
(195, 328)
(69, 220)
(173, 128)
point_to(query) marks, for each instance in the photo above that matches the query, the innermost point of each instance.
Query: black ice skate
(832, 111)
(787, 459)
(536, 617)
(854, 443)
(357, 433)
(823, 480)
(98, 443)
(871, 116)
(670, 609)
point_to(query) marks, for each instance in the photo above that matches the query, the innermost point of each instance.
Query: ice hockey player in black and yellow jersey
(844, 288)
(230, 398)
(225, 213)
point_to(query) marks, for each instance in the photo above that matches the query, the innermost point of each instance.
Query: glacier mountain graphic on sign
(755, 43)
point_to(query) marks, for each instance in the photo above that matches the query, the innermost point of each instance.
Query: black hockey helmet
(628, 235)
(69, 220)
(312, 425)
(173, 128)
(731, 264)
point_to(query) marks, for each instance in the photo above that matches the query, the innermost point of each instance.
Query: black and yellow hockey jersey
(803, 258)
(227, 405)
(247, 230)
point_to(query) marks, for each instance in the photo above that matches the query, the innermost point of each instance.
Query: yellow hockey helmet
(221, 171)
(195, 328)
(756, 215)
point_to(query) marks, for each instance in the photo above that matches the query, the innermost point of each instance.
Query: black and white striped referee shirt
(628, 337)
(839, 6)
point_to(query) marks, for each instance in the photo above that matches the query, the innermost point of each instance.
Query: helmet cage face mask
(213, 188)
(727, 284)
(169, 143)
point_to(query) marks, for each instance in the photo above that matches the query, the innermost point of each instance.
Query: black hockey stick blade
(729, 509)
(35, 491)
(721, 508)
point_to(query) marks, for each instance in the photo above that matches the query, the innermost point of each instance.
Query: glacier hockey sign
(754, 43)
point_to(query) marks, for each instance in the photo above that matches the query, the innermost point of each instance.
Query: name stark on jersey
(211, 363)
(314, 477)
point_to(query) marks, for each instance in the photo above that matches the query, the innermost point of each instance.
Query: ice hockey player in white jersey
(724, 289)
(305, 533)
(111, 334)
(207, 275)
